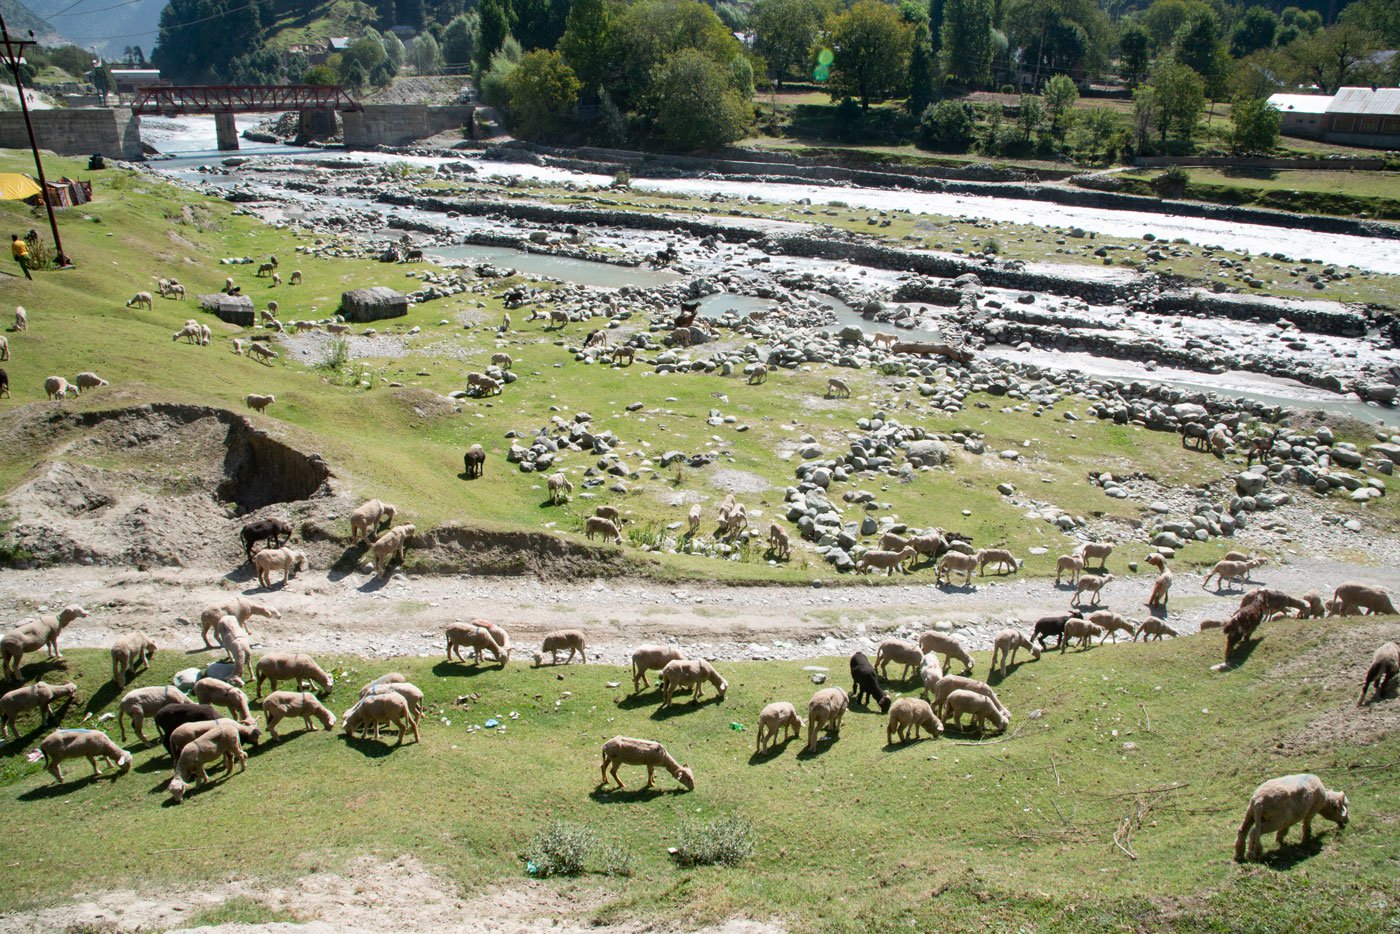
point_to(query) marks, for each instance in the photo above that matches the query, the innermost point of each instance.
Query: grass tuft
(725, 841)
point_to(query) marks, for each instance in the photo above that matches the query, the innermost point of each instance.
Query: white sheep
(222, 694)
(4, 348)
(141, 703)
(279, 705)
(1074, 564)
(930, 673)
(367, 518)
(693, 519)
(21, 318)
(1112, 623)
(1006, 644)
(1152, 627)
(559, 640)
(259, 403)
(597, 525)
(477, 638)
(502, 360)
(824, 712)
(409, 692)
(651, 658)
(559, 488)
(140, 298)
(758, 374)
(131, 652)
(997, 558)
(1224, 571)
(1161, 590)
(296, 277)
(391, 545)
(624, 750)
(779, 715)
(1280, 803)
(889, 560)
(690, 673)
(57, 388)
(238, 346)
(40, 695)
(1089, 583)
(979, 706)
(241, 608)
(91, 745)
(281, 666)
(28, 637)
(837, 389)
(950, 683)
(907, 716)
(947, 646)
(1099, 550)
(262, 352)
(1081, 630)
(220, 742)
(190, 332)
(88, 380)
(955, 561)
(898, 650)
(1385, 665)
(286, 560)
(780, 542)
(378, 710)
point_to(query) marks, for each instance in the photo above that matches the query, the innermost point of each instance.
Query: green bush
(1171, 183)
(561, 849)
(725, 840)
(946, 126)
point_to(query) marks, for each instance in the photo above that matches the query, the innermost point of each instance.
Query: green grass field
(1011, 832)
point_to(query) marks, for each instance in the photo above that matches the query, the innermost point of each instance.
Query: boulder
(928, 453)
(1249, 483)
(373, 304)
(235, 309)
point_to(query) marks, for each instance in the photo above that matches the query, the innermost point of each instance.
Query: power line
(152, 32)
(90, 12)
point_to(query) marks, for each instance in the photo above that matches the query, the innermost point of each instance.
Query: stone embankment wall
(113, 131)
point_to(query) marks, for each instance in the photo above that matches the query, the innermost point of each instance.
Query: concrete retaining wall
(1262, 163)
(115, 132)
(400, 124)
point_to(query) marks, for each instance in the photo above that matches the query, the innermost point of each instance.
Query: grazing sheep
(4, 348)
(296, 277)
(409, 692)
(825, 710)
(1280, 803)
(238, 346)
(241, 608)
(981, 707)
(1276, 602)
(779, 715)
(1081, 630)
(1161, 591)
(865, 686)
(624, 353)
(391, 545)
(264, 530)
(502, 360)
(21, 319)
(1228, 570)
(190, 332)
(337, 328)
(996, 557)
(264, 353)
(611, 513)
(4, 385)
(220, 742)
(487, 386)
(61, 745)
(213, 691)
(476, 637)
(907, 716)
(1006, 644)
(693, 519)
(131, 653)
(141, 298)
(955, 561)
(1212, 624)
(1048, 626)
(1385, 665)
(1241, 556)
(1151, 628)
(947, 646)
(176, 714)
(597, 525)
(1351, 599)
(42, 695)
(276, 280)
(596, 338)
(367, 518)
(837, 389)
(279, 705)
(651, 658)
(559, 640)
(88, 380)
(758, 374)
(265, 269)
(737, 520)
(898, 650)
(141, 703)
(1090, 583)
(1111, 623)
(889, 560)
(559, 488)
(281, 666)
(259, 403)
(1074, 564)
(930, 673)
(1095, 550)
(930, 545)
(779, 542)
(57, 388)
(286, 560)
(1241, 625)
(228, 285)
(378, 710)
(690, 673)
(625, 750)
(883, 341)
(186, 733)
(950, 683)
(474, 461)
(558, 318)
(237, 644)
(1316, 609)
(29, 637)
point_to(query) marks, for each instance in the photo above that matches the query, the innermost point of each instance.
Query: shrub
(1171, 183)
(337, 354)
(561, 849)
(725, 840)
(946, 126)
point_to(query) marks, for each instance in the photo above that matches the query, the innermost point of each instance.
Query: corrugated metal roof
(1381, 102)
(1301, 103)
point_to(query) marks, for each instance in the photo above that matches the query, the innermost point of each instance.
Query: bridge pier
(226, 131)
(315, 124)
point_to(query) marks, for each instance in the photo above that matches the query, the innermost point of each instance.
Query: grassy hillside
(1140, 742)
(299, 23)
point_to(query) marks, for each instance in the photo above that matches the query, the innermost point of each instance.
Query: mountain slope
(20, 19)
(111, 30)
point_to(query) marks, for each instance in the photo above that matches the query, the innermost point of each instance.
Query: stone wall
(400, 124)
(113, 131)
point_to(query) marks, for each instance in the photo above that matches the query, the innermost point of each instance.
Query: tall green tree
(393, 48)
(1331, 58)
(1164, 19)
(1145, 115)
(198, 38)
(543, 89)
(586, 42)
(871, 44)
(425, 55)
(1180, 95)
(1058, 35)
(966, 41)
(923, 79)
(497, 21)
(694, 104)
(647, 32)
(459, 42)
(1198, 47)
(1255, 30)
(1134, 53)
(1058, 100)
(1256, 125)
(1379, 18)
(784, 33)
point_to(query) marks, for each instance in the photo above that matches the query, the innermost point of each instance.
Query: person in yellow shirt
(21, 251)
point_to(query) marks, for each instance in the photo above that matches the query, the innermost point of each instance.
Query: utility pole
(14, 54)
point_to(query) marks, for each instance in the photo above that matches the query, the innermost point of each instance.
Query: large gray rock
(235, 309)
(373, 304)
(1190, 412)
(928, 453)
(1249, 483)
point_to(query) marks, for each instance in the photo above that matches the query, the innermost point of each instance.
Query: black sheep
(1048, 626)
(172, 716)
(264, 530)
(864, 683)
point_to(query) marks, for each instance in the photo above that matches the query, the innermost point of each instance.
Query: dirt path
(405, 615)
